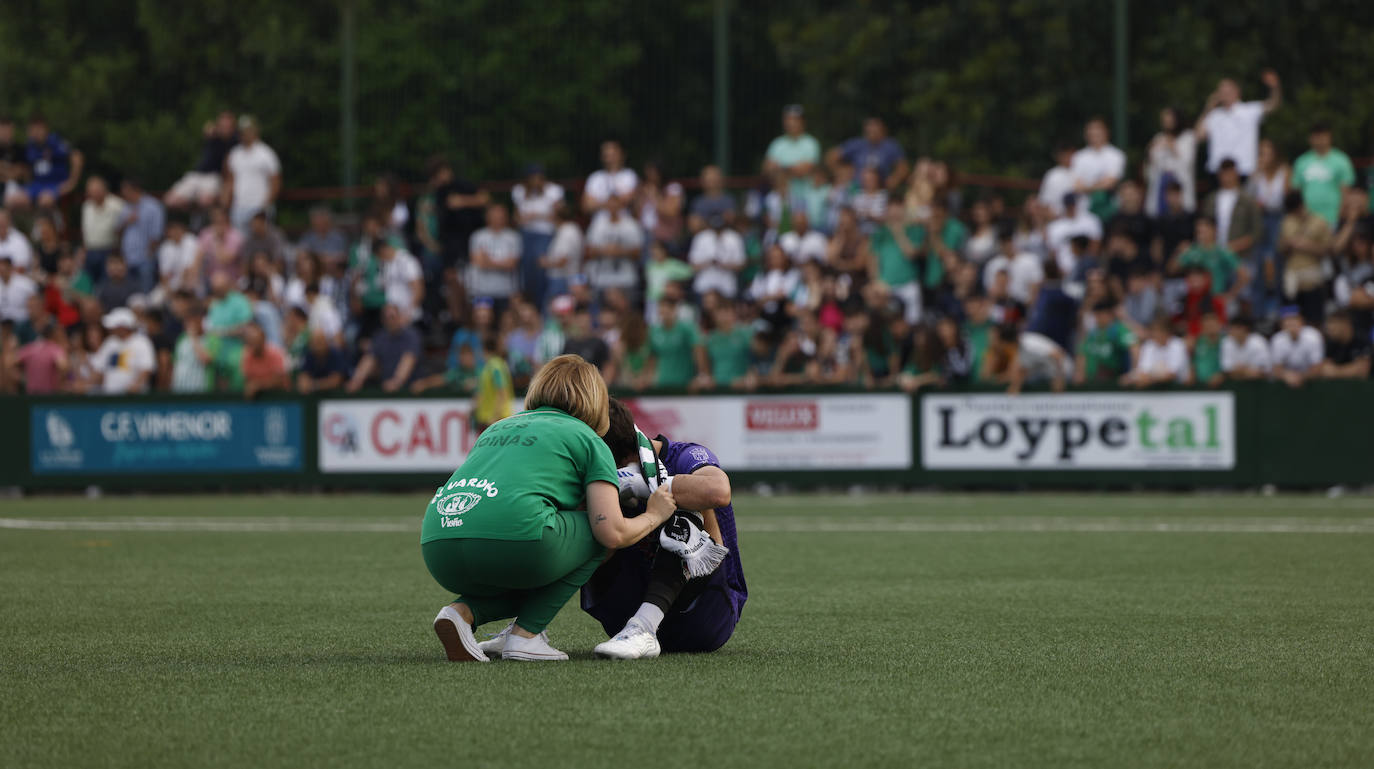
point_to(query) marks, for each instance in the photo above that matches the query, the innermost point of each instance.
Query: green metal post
(348, 118)
(1119, 135)
(722, 85)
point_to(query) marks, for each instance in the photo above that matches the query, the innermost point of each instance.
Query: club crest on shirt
(700, 454)
(459, 503)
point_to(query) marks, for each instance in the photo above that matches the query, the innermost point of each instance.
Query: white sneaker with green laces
(635, 642)
(535, 649)
(492, 647)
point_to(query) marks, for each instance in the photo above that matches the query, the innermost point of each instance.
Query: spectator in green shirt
(795, 153)
(1207, 351)
(727, 349)
(1322, 174)
(978, 330)
(228, 314)
(1109, 350)
(897, 249)
(1228, 275)
(672, 347)
(947, 236)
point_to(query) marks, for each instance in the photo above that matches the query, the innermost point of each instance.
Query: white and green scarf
(684, 533)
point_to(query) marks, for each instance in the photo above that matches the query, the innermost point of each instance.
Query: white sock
(650, 616)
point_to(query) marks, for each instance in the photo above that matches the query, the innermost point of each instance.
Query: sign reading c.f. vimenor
(1079, 431)
(166, 437)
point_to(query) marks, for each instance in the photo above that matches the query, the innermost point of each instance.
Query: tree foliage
(990, 85)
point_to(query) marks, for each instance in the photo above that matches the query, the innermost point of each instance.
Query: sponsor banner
(1079, 431)
(394, 436)
(788, 432)
(166, 438)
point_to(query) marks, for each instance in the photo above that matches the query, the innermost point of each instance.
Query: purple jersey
(704, 617)
(685, 459)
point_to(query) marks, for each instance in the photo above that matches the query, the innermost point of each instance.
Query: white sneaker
(492, 647)
(635, 642)
(535, 649)
(456, 635)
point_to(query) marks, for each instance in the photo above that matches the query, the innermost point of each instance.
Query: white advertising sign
(394, 436)
(791, 432)
(787, 432)
(1079, 431)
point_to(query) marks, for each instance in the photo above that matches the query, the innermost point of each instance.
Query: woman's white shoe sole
(459, 646)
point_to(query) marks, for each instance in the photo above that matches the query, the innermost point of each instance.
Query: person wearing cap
(252, 176)
(536, 201)
(795, 152)
(125, 361)
(1297, 349)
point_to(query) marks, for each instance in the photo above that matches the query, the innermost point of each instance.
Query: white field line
(769, 524)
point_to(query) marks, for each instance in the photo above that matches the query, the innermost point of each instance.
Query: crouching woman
(528, 517)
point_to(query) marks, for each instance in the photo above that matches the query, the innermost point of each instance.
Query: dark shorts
(701, 620)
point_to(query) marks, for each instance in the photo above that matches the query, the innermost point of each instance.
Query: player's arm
(708, 487)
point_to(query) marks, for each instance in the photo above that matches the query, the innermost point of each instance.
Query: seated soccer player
(643, 595)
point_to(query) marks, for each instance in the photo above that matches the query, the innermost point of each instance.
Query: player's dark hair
(621, 437)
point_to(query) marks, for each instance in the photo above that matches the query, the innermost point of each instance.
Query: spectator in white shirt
(535, 200)
(13, 245)
(1098, 166)
(802, 243)
(1244, 354)
(1231, 127)
(252, 176)
(717, 255)
(178, 262)
(614, 243)
(495, 254)
(125, 361)
(1172, 155)
(1075, 221)
(564, 258)
(1024, 269)
(870, 205)
(613, 181)
(15, 290)
(1058, 181)
(1297, 350)
(100, 215)
(402, 277)
(1163, 358)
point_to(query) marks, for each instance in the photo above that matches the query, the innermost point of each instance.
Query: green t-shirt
(978, 336)
(225, 315)
(1321, 177)
(729, 353)
(1206, 358)
(674, 348)
(657, 275)
(82, 285)
(1217, 260)
(787, 151)
(1107, 352)
(895, 268)
(953, 235)
(522, 471)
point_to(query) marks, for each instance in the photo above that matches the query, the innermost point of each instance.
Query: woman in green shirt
(527, 518)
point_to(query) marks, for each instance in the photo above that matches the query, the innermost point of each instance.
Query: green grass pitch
(884, 630)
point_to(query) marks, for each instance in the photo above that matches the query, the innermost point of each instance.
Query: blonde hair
(569, 383)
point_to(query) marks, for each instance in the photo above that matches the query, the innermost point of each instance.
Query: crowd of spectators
(853, 265)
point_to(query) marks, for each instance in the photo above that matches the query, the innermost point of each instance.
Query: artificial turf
(888, 642)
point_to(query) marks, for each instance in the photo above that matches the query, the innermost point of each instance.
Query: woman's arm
(611, 528)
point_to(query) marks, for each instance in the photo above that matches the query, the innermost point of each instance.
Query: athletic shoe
(456, 635)
(492, 647)
(635, 642)
(535, 649)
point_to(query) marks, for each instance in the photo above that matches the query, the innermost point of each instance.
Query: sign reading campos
(166, 438)
(1079, 431)
(394, 436)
